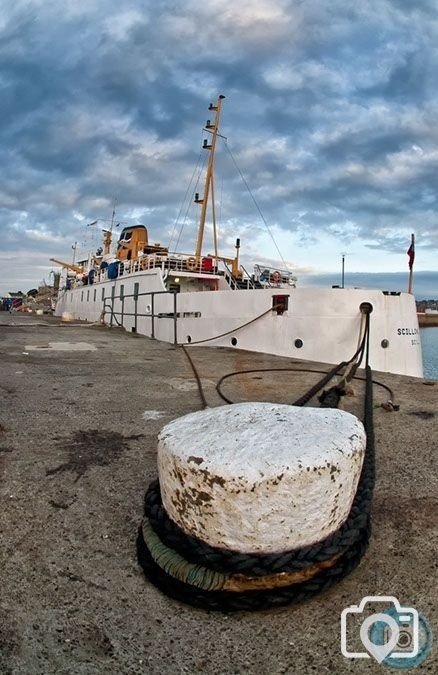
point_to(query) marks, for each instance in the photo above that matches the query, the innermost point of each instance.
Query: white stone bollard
(260, 477)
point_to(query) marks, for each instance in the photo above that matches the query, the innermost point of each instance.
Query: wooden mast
(213, 129)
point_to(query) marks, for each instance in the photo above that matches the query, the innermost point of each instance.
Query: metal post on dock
(153, 313)
(175, 337)
(113, 292)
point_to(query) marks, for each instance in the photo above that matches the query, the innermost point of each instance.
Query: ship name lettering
(407, 331)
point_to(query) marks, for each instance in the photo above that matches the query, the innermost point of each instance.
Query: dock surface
(81, 407)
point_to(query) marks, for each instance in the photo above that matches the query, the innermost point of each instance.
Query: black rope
(198, 379)
(233, 330)
(298, 370)
(358, 355)
(106, 307)
(250, 600)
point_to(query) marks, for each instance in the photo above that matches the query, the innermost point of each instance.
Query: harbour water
(429, 344)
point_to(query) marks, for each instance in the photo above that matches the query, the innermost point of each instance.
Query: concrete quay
(427, 320)
(80, 410)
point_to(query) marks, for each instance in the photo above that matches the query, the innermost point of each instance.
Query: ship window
(136, 288)
(122, 291)
(113, 291)
(103, 293)
(88, 296)
(234, 341)
(94, 296)
(82, 296)
(298, 343)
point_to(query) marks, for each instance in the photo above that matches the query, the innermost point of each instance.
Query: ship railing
(229, 277)
(273, 277)
(176, 262)
(247, 278)
(244, 282)
(118, 316)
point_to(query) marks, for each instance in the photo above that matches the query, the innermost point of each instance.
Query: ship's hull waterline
(319, 324)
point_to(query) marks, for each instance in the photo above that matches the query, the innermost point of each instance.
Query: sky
(330, 116)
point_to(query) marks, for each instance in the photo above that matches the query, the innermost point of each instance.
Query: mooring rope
(228, 332)
(250, 600)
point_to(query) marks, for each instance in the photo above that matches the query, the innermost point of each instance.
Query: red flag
(411, 253)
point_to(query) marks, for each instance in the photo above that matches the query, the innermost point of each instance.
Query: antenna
(113, 215)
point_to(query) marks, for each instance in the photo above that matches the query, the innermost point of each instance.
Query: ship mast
(212, 128)
(107, 234)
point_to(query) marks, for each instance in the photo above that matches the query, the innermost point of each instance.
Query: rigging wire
(221, 199)
(189, 203)
(256, 205)
(184, 199)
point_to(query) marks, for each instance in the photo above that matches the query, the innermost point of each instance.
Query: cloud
(330, 115)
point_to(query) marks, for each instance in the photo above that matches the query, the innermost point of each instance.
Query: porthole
(234, 341)
(385, 344)
(148, 309)
(298, 343)
(189, 338)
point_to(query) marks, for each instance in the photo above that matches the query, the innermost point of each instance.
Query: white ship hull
(319, 325)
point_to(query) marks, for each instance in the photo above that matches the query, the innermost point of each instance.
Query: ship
(201, 299)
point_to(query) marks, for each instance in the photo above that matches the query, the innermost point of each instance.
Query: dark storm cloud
(331, 115)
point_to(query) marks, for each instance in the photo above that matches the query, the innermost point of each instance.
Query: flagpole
(411, 264)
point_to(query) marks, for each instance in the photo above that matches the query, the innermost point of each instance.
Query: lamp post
(343, 269)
